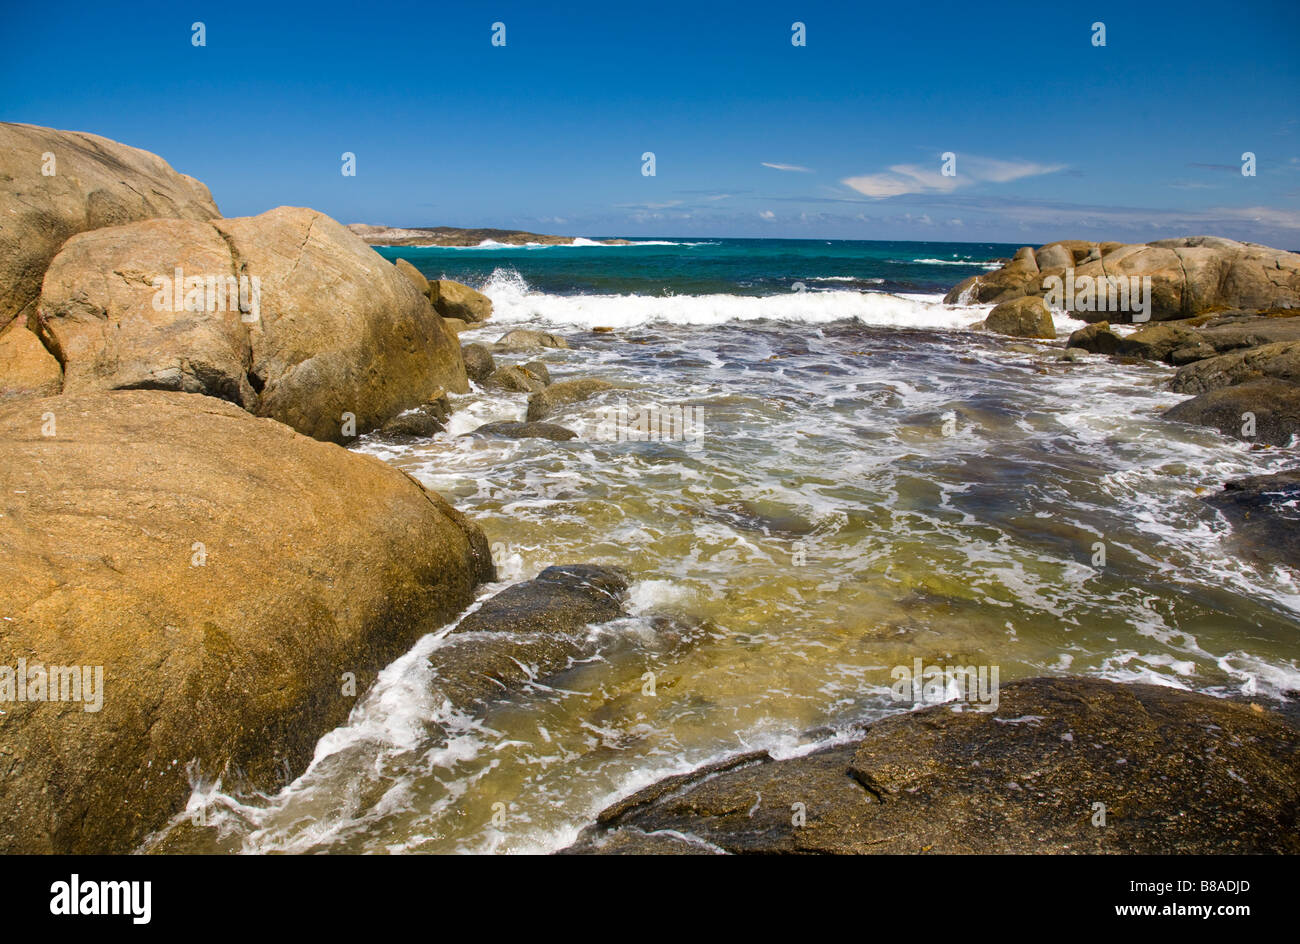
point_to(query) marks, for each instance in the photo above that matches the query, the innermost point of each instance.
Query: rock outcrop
(1280, 361)
(1176, 773)
(226, 574)
(1189, 276)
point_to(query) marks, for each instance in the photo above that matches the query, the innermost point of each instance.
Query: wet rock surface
(526, 633)
(1263, 411)
(563, 393)
(1265, 514)
(1176, 772)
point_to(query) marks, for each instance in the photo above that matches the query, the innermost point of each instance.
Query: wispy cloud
(901, 179)
(767, 215)
(789, 167)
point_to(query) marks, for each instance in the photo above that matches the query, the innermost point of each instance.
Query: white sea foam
(513, 302)
(958, 262)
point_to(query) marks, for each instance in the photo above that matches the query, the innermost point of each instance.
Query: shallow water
(862, 495)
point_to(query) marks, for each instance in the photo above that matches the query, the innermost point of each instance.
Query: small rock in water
(510, 430)
(525, 339)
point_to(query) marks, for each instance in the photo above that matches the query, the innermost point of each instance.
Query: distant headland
(455, 236)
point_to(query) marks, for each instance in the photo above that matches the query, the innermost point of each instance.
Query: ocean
(872, 483)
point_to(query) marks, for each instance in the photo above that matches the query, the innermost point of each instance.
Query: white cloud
(767, 215)
(1287, 219)
(791, 167)
(903, 179)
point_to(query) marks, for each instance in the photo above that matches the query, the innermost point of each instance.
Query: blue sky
(1053, 137)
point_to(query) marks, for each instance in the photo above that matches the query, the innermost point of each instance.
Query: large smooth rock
(1022, 318)
(563, 393)
(102, 316)
(96, 182)
(225, 572)
(339, 333)
(1178, 773)
(1273, 404)
(1280, 361)
(453, 300)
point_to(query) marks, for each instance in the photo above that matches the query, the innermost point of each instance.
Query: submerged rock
(1264, 511)
(526, 633)
(225, 573)
(538, 430)
(562, 393)
(1176, 773)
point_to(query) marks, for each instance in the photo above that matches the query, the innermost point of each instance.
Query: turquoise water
(718, 266)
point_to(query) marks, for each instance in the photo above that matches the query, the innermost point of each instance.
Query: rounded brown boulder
(1022, 318)
(237, 584)
(287, 314)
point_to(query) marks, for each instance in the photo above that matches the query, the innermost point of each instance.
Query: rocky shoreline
(176, 510)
